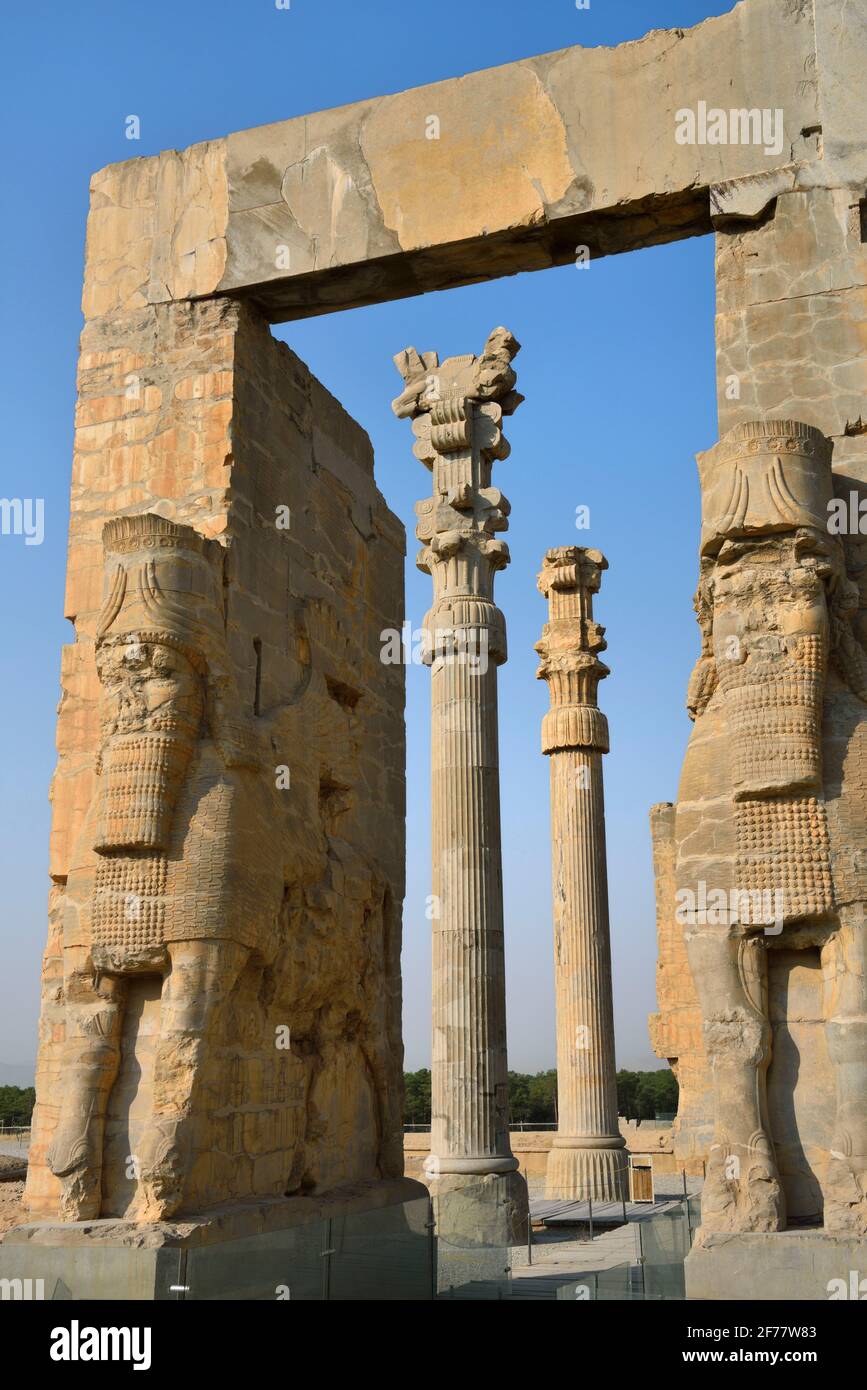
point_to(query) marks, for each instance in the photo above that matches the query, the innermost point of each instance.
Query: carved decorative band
(155, 637)
(451, 425)
(573, 680)
(574, 726)
(437, 1164)
(464, 611)
(124, 535)
(774, 436)
(470, 625)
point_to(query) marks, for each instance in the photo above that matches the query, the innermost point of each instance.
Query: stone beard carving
(456, 408)
(781, 672)
(771, 647)
(156, 691)
(161, 871)
(154, 701)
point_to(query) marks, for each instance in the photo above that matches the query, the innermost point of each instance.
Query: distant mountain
(17, 1074)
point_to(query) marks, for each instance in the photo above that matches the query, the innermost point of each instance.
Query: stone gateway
(220, 1047)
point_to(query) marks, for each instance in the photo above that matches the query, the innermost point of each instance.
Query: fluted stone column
(588, 1157)
(456, 409)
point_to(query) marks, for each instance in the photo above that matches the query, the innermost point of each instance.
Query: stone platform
(780, 1267)
(371, 1241)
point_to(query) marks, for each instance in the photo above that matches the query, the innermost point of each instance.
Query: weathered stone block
(786, 1267)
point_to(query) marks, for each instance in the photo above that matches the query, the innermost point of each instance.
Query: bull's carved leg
(202, 975)
(844, 962)
(94, 1013)
(742, 1190)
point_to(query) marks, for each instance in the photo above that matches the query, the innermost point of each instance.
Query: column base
(576, 1174)
(478, 1219)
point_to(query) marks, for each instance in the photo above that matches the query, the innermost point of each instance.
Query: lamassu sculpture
(771, 831)
(176, 872)
(184, 910)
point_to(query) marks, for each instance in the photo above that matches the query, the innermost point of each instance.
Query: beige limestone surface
(188, 411)
(506, 169)
(771, 839)
(456, 408)
(676, 1030)
(587, 1157)
(221, 986)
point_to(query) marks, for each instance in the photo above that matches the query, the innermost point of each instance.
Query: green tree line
(641, 1095)
(16, 1105)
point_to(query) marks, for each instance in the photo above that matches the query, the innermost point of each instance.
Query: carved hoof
(160, 1187)
(846, 1194)
(157, 1199)
(751, 1201)
(81, 1197)
(765, 1205)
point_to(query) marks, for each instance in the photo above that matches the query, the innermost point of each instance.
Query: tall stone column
(457, 408)
(588, 1157)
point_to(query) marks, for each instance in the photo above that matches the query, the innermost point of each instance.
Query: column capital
(456, 408)
(569, 647)
(441, 390)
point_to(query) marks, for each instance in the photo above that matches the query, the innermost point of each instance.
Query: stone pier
(588, 1157)
(456, 409)
(224, 927)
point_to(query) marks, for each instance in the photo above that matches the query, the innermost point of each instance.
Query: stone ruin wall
(194, 411)
(676, 1030)
(791, 343)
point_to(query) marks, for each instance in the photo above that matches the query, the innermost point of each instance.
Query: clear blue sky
(617, 368)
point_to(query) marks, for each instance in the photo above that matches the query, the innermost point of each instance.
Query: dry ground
(11, 1194)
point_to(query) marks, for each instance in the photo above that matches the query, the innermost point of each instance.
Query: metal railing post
(326, 1268)
(432, 1249)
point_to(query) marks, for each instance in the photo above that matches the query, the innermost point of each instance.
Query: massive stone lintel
(588, 1156)
(457, 408)
(357, 205)
(504, 170)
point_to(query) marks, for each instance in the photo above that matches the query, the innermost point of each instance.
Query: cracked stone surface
(587, 1157)
(193, 427)
(189, 412)
(357, 205)
(771, 802)
(676, 1030)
